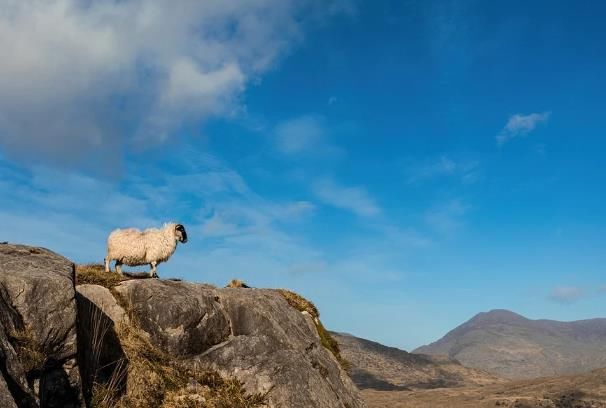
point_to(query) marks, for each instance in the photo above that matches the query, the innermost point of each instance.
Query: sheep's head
(180, 233)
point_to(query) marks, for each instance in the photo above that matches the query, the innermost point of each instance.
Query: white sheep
(152, 246)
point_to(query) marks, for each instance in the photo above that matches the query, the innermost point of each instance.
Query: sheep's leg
(107, 261)
(119, 267)
(153, 272)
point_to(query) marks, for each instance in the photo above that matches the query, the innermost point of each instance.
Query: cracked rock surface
(38, 344)
(254, 335)
(251, 334)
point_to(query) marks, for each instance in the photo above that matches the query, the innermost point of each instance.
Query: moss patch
(303, 305)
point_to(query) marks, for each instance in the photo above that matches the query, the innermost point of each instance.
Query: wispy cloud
(298, 135)
(447, 217)
(304, 135)
(566, 294)
(520, 125)
(230, 225)
(444, 166)
(354, 199)
(298, 209)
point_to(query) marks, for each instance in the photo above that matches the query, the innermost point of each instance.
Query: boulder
(275, 348)
(251, 334)
(183, 319)
(103, 299)
(38, 344)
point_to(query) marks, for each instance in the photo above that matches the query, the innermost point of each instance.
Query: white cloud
(298, 209)
(444, 166)
(566, 294)
(521, 125)
(305, 135)
(80, 76)
(216, 226)
(354, 199)
(299, 135)
(447, 217)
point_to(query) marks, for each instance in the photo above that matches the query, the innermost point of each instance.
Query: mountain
(77, 336)
(512, 346)
(375, 366)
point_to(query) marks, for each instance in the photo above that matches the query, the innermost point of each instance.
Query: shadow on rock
(103, 364)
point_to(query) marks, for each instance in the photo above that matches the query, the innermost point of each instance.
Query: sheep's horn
(182, 229)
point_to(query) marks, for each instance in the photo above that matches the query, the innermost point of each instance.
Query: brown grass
(95, 274)
(300, 303)
(237, 283)
(303, 305)
(30, 352)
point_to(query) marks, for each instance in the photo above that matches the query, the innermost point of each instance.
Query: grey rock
(103, 299)
(6, 399)
(276, 349)
(38, 335)
(12, 369)
(183, 319)
(251, 334)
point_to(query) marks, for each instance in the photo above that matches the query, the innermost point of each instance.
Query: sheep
(132, 247)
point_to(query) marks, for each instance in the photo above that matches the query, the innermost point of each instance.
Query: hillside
(375, 366)
(575, 391)
(512, 346)
(71, 337)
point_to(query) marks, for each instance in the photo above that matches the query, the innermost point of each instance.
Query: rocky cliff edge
(66, 341)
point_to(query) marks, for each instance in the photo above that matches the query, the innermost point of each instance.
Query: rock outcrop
(58, 341)
(38, 344)
(251, 334)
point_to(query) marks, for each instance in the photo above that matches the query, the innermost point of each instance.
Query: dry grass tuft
(95, 274)
(300, 303)
(30, 352)
(237, 283)
(303, 305)
(209, 389)
(156, 380)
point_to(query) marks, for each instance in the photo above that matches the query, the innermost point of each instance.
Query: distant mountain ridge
(510, 345)
(379, 367)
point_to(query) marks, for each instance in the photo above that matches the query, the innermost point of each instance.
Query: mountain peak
(498, 316)
(510, 345)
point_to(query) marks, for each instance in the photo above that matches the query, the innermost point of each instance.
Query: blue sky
(405, 165)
